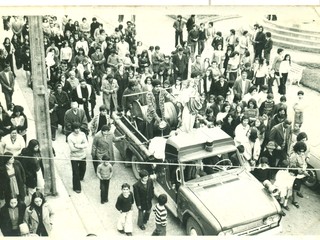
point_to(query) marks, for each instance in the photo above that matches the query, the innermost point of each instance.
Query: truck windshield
(211, 165)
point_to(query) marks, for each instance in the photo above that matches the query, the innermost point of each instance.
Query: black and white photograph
(144, 121)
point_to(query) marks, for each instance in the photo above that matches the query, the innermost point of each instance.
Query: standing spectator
(259, 43)
(75, 115)
(100, 120)
(98, 61)
(5, 123)
(298, 108)
(11, 216)
(298, 164)
(143, 195)
(104, 173)
(102, 145)
(66, 52)
(16, 42)
(193, 38)
(262, 172)
(122, 79)
(160, 212)
(233, 67)
(268, 46)
(196, 67)
(284, 69)
(26, 62)
(124, 205)
(109, 89)
(78, 143)
(243, 43)
(242, 85)
(284, 181)
(31, 161)
(190, 22)
(12, 178)
(17, 26)
(228, 125)
(13, 142)
(280, 134)
(178, 25)
(7, 81)
(130, 94)
(82, 44)
(231, 39)
(276, 64)
(220, 87)
(85, 96)
(157, 58)
(93, 26)
(10, 51)
(240, 132)
(218, 40)
(180, 65)
(20, 121)
(84, 27)
(53, 104)
(202, 38)
(260, 74)
(252, 147)
(63, 104)
(38, 215)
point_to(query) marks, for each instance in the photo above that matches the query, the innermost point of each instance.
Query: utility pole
(41, 102)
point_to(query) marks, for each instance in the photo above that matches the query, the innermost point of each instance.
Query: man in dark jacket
(180, 65)
(268, 46)
(259, 43)
(143, 193)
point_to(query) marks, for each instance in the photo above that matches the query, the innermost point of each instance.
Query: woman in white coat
(38, 215)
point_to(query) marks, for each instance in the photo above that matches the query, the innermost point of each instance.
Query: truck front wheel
(193, 228)
(136, 167)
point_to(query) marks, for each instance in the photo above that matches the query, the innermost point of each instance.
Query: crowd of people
(209, 80)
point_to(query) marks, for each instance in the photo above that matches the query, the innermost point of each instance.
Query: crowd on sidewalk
(209, 80)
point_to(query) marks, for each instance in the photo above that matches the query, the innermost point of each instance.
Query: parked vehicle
(313, 180)
(207, 184)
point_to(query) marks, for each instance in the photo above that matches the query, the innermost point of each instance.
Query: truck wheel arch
(193, 227)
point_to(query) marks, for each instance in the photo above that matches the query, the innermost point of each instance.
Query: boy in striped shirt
(160, 212)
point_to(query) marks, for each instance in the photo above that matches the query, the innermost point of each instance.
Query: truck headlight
(272, 219)
(226, 233)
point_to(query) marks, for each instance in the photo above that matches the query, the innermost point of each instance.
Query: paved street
(83, 213)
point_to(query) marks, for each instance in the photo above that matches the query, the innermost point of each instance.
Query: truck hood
(240, 199)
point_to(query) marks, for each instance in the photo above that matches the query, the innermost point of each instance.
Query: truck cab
(208, 186)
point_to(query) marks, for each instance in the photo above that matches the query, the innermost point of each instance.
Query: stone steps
(293, 38)
(298, 35)
(296, 46)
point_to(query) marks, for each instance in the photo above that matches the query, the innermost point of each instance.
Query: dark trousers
(95, 163)
(104, 190)
(78, 172)
(178, 38)
(160, 230)
(283, 81)
(200, 46)
(143, 216)
(8, 97)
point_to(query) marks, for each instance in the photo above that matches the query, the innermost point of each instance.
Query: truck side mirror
(178, 175)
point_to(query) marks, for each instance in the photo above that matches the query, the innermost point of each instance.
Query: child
(298, 108)
(160, 212)
(124, 205)
(104, 173)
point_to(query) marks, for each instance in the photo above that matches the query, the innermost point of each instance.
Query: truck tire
(312, 180)
(193, 228)
(135, 167)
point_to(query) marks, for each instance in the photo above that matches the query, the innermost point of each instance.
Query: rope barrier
(158, 163)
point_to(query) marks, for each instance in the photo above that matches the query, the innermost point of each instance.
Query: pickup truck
(208, 186)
